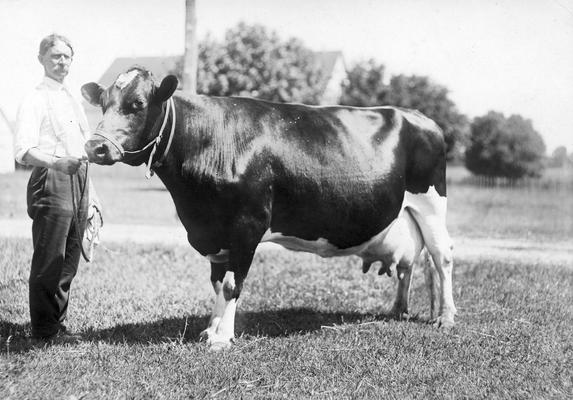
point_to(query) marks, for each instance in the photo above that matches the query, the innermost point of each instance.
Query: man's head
(55, 54)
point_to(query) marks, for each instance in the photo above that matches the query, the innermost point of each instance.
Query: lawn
(307, 327)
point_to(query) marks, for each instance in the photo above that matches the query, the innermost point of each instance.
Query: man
(51, 130)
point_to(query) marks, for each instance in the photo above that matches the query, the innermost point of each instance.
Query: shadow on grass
(14, 338)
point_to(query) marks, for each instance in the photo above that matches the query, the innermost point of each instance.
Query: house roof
(161, 66)
(327, 61)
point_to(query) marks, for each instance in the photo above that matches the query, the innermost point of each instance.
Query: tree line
(252, 60)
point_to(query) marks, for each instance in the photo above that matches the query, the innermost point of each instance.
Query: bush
(504, 147)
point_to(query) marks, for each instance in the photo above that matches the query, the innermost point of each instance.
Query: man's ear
(92, 93)
(166, 89)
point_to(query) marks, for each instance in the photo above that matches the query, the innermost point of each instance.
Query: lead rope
(150, 164)
(76, 212)
(155, 142)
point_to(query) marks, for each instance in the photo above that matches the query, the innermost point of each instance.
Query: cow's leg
(217, 275)
(429, 211)
(400, 307)
(227, 299)
(432, 282)
(441, 249)
(225, 329)
(244, 240)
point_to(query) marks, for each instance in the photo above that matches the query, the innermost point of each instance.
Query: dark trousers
(56, 237)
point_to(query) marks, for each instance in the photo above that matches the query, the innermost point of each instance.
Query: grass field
(307, 327)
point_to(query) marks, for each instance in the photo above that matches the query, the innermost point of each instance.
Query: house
(7, 163)
(334, 72)
(331, 64)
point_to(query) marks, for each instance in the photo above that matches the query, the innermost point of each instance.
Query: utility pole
(190, 57)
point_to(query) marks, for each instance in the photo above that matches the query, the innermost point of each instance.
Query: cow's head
(130, 106)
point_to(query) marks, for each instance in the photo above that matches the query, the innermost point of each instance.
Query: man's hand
(67, 165)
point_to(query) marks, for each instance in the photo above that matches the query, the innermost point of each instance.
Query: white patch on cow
(367, 124)
(221, 257)
(216, 313)
(422, 220)
(124, 79)
(322, 247)
(415, 117)
(429, 210)
(224, 332)
(399, 243)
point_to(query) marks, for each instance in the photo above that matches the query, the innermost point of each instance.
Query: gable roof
(160, 66)
(327, 61)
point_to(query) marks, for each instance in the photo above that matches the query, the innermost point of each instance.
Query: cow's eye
(137, 105)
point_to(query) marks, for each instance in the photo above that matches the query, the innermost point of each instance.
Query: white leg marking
(225, 328)
(216, 313)
(429, 211)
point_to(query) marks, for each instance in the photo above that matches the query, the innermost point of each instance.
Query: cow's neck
(209, 140)
(161, 136)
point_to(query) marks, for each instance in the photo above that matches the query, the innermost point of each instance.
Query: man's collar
(52, 83)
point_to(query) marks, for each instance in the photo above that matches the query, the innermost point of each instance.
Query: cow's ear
(92, 93)
(166, 89)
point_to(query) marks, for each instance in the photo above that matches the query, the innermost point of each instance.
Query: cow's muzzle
(99, 151)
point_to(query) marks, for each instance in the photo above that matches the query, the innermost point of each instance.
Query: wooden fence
(544, 183)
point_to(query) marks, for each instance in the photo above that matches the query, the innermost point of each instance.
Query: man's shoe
(62, 336)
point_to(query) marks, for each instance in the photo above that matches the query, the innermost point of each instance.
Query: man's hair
(49, 41)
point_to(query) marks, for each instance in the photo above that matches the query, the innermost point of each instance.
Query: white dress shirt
(52, 120)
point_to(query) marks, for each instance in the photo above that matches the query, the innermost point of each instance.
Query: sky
(511, 56)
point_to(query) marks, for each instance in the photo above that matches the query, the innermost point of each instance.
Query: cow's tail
(432, 281)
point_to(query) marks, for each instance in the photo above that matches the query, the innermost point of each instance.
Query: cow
(330, 180)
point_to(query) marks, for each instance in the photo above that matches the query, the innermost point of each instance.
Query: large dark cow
(333, 181)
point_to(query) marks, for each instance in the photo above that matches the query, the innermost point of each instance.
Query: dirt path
(503, 249)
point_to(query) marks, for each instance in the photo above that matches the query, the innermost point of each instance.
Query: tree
(431, 99)
(504, 147)
(255, 62)
(559, 157)
(365, 87)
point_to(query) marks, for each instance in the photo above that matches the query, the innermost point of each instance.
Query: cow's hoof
(205, 335)
(400, 314)
(443, 323)
(219, 345)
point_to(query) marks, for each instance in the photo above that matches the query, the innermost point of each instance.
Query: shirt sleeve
(28, 124)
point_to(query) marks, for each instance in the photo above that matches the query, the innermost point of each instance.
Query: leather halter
(155, 142)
